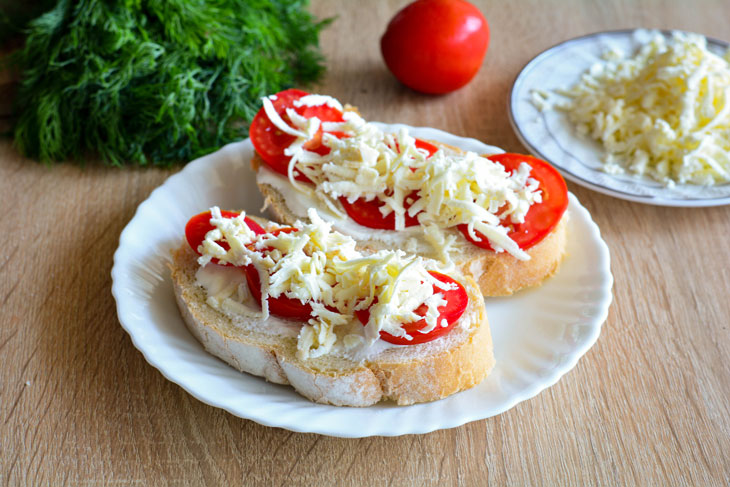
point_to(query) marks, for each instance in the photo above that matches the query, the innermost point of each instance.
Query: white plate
(538, 334)
(550, 136)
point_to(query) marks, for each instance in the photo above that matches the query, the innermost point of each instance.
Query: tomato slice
(282, 306)
(456, 303)
(270, 142)
(422, 144)
(199, 225)
(542, 217)
(367, 213)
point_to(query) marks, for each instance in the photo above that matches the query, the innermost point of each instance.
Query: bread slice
(498, 274)
(404, 374)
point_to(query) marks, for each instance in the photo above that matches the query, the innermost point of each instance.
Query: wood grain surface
(647, 405)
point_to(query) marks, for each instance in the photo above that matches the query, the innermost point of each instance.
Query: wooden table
(647, 405)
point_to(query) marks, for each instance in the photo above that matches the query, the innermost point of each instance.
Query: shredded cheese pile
(451, 188)
(317, 265)
(663, 113)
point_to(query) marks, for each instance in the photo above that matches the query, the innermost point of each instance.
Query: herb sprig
(156, 81)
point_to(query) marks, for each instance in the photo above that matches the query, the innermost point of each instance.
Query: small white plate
(549, 134)
(538, 334)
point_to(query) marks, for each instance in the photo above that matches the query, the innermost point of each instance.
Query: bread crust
(501, 274)
(424, 372)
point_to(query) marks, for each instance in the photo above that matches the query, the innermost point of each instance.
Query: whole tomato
(435, 46)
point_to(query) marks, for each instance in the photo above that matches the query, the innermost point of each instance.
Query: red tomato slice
(282, 306)
(270, 142)
(457, 301)
(422, 144)
(367, 213)
(542, 217)
(199, 225)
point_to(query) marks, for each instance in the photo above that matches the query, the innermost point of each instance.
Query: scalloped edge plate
(539, 334)
(550, 136)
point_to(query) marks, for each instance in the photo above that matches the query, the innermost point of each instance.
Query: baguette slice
(497, 274)
(404, 374)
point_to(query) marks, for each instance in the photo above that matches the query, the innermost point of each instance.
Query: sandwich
(499, 218)
(302, 304)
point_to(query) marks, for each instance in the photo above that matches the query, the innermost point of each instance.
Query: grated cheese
(453, 188)
(663, 113)
(317, 265)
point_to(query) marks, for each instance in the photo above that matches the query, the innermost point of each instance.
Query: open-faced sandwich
(302, 305)
(500, 218)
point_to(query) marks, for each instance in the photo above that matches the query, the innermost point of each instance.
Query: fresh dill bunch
(156, 81)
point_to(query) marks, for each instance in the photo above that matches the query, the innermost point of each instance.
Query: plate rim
(637, 198)
(424, 427)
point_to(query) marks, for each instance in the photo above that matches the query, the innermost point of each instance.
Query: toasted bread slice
(498, 274)
(405, 374)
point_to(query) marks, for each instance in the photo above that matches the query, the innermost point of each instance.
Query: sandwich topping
(311, 274)
(393, 180)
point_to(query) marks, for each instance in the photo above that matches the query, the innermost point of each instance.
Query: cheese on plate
(663, 112)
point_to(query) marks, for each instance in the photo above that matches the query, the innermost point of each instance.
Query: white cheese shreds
(321, 267)
(663, 113)
(317, 100)
(442, 191)
(278, 121)
(232, 230)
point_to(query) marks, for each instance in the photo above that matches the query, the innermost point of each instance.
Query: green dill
(156, 81)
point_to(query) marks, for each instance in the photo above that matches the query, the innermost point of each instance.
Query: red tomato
(422, 144)
(367, 213)
(270, 142)
(457, 301)
(282, 306)
(199, 225)
(541, 218)
(435, 46)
